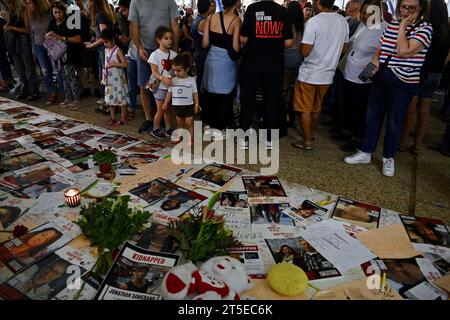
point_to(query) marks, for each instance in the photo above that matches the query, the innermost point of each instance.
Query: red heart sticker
(167, 64)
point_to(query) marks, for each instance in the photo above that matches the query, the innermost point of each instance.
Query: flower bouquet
(203, 236)
(108, 224)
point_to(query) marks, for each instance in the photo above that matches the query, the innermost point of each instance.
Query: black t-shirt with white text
(267, 26)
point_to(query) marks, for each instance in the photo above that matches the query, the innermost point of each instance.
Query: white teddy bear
(218, 278)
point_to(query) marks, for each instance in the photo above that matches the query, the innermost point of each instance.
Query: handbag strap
(112, 53)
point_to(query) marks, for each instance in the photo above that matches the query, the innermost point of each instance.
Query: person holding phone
(398, 61)
(356, 89)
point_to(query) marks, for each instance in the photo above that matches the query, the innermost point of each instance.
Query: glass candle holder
(72, 197)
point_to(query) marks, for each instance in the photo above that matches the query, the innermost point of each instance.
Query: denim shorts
(429, 84)
(143, 69)
(160, 94)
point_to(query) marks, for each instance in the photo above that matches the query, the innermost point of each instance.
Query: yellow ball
(287, 279)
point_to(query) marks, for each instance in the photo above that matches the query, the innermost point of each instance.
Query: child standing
(114, 78)
(161, 63)
(183, 94)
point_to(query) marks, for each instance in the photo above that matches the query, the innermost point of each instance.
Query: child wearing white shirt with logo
(183, 95)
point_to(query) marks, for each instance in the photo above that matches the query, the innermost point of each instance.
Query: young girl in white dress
(114, 78)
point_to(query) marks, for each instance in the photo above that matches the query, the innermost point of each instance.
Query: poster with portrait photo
(64, 124)
(427, 234)
(308, 213)
(142, 147)
(27, 178)
(22, 160)
(234, 200)
(357, 213)
(84, 136)
(402, 275)
(51, 184)
(11, 148)
(132, 163)
(136, 274)
(155, 238)
(14, 134)
(41, 281)
(10, 112)
(19, 253)
(176, 202)
(213, 176)
(116, 141)
(153, 191)
(298, 251)
(11, 208)
(75, 153)
(250, 257)
(264, 189)
(25, 116)
(272, 213)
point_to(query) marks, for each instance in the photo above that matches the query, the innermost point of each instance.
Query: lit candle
(73, 197)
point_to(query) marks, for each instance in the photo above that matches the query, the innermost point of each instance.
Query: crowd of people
(279, 63)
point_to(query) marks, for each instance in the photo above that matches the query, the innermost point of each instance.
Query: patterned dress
(115, 81)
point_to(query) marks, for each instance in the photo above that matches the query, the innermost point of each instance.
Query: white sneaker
(358, 157)
(388, 167)
(242, 143)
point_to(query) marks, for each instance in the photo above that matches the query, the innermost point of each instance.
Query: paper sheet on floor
(343, 251)
(391, 242)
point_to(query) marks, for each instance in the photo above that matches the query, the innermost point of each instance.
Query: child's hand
(167, 81)
(197, 109)
(165, 106)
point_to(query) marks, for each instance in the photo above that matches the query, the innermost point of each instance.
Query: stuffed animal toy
(218, 278)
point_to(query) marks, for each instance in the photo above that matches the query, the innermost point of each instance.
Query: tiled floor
(324, 169)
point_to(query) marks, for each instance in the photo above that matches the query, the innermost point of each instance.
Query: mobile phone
(367, 72)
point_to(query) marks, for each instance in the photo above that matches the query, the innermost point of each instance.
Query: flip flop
(302, 145)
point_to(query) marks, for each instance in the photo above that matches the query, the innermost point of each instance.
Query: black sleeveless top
(221, 39)
(16, 21)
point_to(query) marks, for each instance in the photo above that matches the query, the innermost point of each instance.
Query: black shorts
(184, 111)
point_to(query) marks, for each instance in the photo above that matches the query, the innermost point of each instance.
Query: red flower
(19, 230)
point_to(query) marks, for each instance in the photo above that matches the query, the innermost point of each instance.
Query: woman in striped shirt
(397, 63)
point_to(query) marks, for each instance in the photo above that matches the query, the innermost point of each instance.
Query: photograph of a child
(216, 174)
(263, 186)
(41, 281)
(298, 251)
(357, 213)
(270, 214)
(23, 160)
(234, 199)
(426, 230)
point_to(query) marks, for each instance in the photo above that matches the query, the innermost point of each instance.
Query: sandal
(111, 122)
(130, 116)
(302, 145)
(119, 123)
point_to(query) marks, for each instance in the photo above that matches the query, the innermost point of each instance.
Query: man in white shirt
(326, 34)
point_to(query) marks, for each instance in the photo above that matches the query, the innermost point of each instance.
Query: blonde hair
(42, 7)
(101, 5)
(18, 5)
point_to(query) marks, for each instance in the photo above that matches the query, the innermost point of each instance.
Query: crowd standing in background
(261, 66)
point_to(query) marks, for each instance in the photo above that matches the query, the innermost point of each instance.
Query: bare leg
(167, 119)
(306, 123)
(315, 121)
(145, 99)
(423, 112)
(112, 112)
(408, 123)
(189, 125)
(159, 114)
(123, 113)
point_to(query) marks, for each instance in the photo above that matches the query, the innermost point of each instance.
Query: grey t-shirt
(39, 28)
(151, 14)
